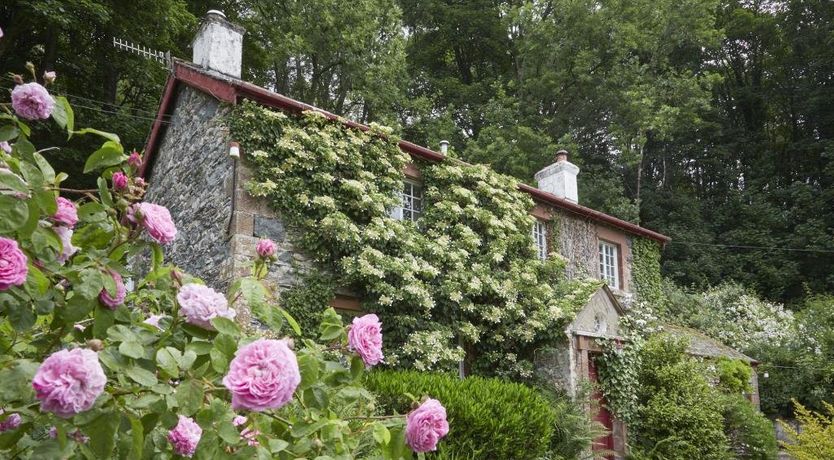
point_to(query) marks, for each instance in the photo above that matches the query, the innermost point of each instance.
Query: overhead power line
(745, 246)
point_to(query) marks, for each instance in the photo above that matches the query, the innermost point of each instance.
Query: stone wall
(578, 244)
(192, 176)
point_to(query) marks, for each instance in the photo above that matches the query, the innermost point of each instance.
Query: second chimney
(560, 178)
(219, 45)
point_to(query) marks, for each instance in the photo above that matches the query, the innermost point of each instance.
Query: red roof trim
(230, 90)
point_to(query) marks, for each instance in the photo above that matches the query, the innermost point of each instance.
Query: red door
(602, 415)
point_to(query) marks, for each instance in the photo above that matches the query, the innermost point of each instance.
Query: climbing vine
(645, 272)
(464, 277)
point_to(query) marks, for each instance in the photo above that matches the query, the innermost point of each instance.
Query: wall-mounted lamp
(234, 150)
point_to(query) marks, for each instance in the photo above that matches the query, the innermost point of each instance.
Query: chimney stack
(218, 45)
(560, 178)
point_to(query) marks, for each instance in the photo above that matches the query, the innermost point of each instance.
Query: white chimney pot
(560, 179)
(218, 45)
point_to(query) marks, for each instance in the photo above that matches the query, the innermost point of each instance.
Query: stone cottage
(192, 166)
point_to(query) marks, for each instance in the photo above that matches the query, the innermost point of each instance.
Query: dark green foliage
(487, 417)
(750, 433)
(307, 300)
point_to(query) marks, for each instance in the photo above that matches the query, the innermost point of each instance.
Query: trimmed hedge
(488, 418)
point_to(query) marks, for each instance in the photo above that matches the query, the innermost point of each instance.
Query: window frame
(539, 233)
(399, 212)
(616, 265)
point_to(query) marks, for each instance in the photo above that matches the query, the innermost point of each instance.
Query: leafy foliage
(750, 433)
(489, 417)
(154, 372)
(815, 437)
(464, 276)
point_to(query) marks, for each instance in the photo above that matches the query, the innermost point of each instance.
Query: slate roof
(231, 90)
(702, 345)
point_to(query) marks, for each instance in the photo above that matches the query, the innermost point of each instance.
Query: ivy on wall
(464, 277)
(645, 272)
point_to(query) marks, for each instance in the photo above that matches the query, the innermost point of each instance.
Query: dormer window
(412, 202)
(609, 270)
(540, 238)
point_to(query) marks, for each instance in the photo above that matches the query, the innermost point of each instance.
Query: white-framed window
(412, 202)
(609, 261)
(540, 238)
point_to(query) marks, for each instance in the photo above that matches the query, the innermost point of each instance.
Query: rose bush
(110, 352)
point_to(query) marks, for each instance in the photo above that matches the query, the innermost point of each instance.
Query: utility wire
(744, 246)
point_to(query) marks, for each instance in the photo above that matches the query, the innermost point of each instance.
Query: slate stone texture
(192, 177)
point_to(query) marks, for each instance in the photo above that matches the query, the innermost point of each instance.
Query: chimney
(219, 44)
(560, 178)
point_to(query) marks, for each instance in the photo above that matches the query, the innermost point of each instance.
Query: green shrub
(679, 414)
(488, 418)
(733, 375)
(750, 433)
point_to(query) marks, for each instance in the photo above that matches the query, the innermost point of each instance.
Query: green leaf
(11, 181)
(228, 432)
(137, 432)
(13, 213)
(110, 154)
(132, 349)
(219, 361)
(168, 360)
(189, 396)
(308, 365)
(301, 430)
(141, 376)
(277, 445)
(17, 380)
(63, 115)
(36, 282)
(187, 360)
(8, 132)
(45, 167)
(291, 321)
(104, 318)
(106, 135)
(357, 366)
(226, 344)
(47, 201)
(226, 326)
(381, 434)
(102, 433)
(76, 308)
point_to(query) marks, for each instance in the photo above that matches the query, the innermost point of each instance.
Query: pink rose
(49, 77)
(265, 248)
(66, 214)
(185, 436)
(153, 320)
(6, 147)
(69, 381)
(200, 304)
(13, 264)
(135, 160)
(119, 181)
(365, 338)
(68, 249)
(32, 101)
(155, 219)
(425, 426)
(11, 422)
(110, 301)
(238, 420)
(263, 375)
